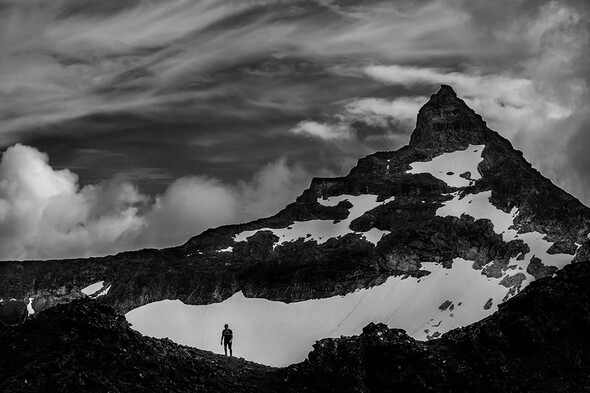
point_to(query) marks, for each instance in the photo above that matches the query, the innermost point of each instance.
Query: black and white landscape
(347, 184)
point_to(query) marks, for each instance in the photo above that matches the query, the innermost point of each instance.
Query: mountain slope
(438, 233)
(538, 341)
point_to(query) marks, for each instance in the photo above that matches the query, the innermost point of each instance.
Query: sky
(127, 124)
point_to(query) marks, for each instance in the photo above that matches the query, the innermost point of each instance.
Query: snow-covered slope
(442, 299)
(279, 334)
(430, 237)
(322, 230)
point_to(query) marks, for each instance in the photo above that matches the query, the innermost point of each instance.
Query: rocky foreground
(539, 341)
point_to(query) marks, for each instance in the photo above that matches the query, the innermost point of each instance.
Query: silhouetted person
(227, 336)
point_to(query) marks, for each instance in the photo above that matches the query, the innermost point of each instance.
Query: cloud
(44, 213)
(60, 61)
(187, 207)
(272, 188)
(511, 104)
(381, 112)
(323, 131)
(363, 125)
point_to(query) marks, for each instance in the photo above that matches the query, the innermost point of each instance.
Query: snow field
(448, 166)
(322, 230)
(478, 206)
(30, 309)
(95, 290)
(92, 288)
(280, 334)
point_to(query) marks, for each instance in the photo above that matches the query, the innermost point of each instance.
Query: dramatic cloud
(155, 105)
(510, 104)
(45, 214)
(61, 60)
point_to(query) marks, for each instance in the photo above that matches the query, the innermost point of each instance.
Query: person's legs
(230, 350)
(225, 347)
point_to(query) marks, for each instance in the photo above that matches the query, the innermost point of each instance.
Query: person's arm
(222, 337)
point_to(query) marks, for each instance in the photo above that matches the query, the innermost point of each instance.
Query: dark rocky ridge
(196, 273)
(539, 341)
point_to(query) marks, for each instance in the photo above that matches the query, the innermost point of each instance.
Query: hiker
(227, 336)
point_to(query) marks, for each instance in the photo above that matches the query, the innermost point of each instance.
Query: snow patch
(228, 249)
(449, 166)
(92, 288)
(279, 334)
(30, 309)
(479, 207)
(103, 292)
(96, 290)
(322, 230)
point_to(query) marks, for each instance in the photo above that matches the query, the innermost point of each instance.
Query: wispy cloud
(323, 131)
(58, 65)
(401, 111)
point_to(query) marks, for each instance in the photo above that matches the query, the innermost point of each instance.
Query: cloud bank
(45, 214)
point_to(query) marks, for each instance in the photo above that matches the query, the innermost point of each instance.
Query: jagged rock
(466, 175)
(538, 270)
(445, 305)
(403, 262)
(495, 268)
(441, 117)
(563, 247)
(363, 223)
(512, 281)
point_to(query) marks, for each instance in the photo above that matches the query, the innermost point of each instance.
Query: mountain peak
(445, 91)
(446, 122)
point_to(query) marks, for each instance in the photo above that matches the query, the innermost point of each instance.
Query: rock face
(538, 341)
(441, 117)
(458, 191)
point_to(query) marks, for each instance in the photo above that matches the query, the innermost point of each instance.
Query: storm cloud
(139, 111)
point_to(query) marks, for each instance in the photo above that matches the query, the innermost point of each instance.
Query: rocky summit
(429, 238)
